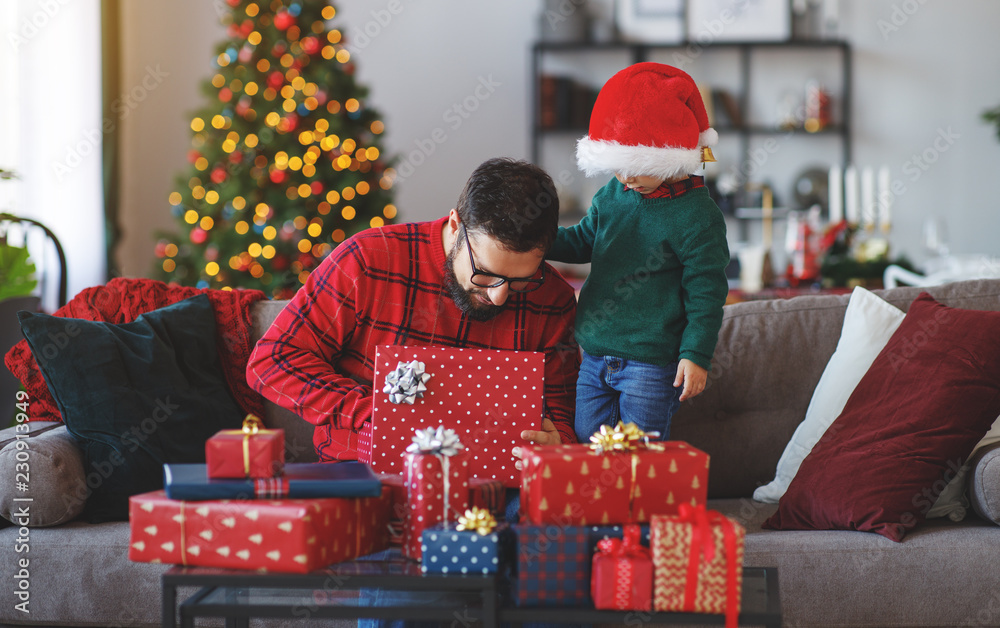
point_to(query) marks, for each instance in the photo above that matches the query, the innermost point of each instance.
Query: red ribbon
(628, 545)
(703, 544)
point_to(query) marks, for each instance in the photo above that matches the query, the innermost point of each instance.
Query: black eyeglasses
(489, 280)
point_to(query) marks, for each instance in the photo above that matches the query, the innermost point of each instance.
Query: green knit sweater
(657, 282)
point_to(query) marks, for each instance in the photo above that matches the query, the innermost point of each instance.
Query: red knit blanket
(122, 301)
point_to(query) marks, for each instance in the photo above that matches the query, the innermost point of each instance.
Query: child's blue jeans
(610, 389)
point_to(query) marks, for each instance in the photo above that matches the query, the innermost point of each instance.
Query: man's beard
(463, 298)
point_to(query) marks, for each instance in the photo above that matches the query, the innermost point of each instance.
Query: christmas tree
(285, 160)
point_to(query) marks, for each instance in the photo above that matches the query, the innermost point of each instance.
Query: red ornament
(291, 122)
(218, 174)
(278, 49)
(161, 248)
(275, 79)
(316, 187)
(211, 253)
(321, 97)
(246, 54)
(307, 260)
(310, 45)
(246, 28)
(283, 20)
(278, 176)
(225, 94)
(199, 235)
(193, 155)
(235, 157)
(243, 106)
(233, 3)
(232, 30)
(280, 262)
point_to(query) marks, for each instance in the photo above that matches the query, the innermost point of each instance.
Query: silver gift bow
(407, 382)
(435, 440)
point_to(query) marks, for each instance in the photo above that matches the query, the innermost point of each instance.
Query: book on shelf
(564, 103)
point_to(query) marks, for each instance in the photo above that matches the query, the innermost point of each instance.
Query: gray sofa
(770, 356)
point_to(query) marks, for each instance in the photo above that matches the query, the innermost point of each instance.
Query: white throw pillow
(868, 324)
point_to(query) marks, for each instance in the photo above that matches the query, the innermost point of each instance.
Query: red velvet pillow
(928, 398)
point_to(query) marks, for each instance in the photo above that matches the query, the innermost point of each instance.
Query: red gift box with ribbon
(697, 563)
(487, 396)
(437, 484)
(621, 477)
(284, 535)
(250, 452)
(483, 493)
(622, 573)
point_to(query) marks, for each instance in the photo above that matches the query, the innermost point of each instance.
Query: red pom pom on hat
(648, 120)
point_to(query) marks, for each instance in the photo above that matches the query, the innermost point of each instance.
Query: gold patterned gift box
(697, 563)
(608, 484)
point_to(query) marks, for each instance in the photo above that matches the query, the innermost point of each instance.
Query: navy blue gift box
(553, 562)
(447, 550)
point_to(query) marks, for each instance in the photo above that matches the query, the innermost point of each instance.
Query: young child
(649, 313)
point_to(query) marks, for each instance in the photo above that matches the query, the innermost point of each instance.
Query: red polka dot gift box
(487, 396)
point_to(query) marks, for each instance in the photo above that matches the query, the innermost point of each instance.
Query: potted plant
(17, 284)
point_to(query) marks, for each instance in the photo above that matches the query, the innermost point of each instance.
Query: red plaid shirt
(383, 287)
(675, 189)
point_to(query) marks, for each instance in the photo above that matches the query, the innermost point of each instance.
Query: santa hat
(649, 120)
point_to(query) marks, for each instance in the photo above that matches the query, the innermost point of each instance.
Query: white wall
(936, 73)
(51, 131)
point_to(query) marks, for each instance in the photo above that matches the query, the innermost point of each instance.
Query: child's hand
(692, 376)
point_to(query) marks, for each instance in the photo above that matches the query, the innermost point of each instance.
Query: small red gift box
(437, 491)
(697, 563)
(583, 485)
(286, 535)
(251, 452)
(486, 494)
(622, 573)
(487, 396)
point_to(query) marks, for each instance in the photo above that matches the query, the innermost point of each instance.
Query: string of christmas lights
(285, 159)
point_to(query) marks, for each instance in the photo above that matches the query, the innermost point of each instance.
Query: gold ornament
(479, 519)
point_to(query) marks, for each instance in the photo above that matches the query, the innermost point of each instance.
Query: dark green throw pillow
(134, 396)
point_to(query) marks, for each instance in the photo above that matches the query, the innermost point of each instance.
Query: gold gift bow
(251, 425)
(625, 438)
(479, 519)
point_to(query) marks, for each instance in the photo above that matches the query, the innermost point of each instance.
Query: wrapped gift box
(488, 397)
(251, 452)
(437, 491)
(483, 493)
(697, 563)
(301, 480)
(622, 573)
(285, 535)
(575, 485)
(445, 549)
(552, 565)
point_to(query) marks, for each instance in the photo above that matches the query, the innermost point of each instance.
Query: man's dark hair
(513, 202)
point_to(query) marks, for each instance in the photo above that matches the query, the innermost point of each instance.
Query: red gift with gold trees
(621, 477)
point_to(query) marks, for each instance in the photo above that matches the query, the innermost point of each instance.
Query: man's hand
(547, 436)
(692, 376)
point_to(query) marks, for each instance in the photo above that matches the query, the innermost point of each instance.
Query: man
(475, 278)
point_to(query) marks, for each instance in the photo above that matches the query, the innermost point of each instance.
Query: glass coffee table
(342, 591)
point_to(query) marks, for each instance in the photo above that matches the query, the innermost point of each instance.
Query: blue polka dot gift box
(474, 550)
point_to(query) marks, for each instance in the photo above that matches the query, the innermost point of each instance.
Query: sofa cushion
(868, 324)
(929, 397)
(984, 482)
(135, 396)
(53, 479)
